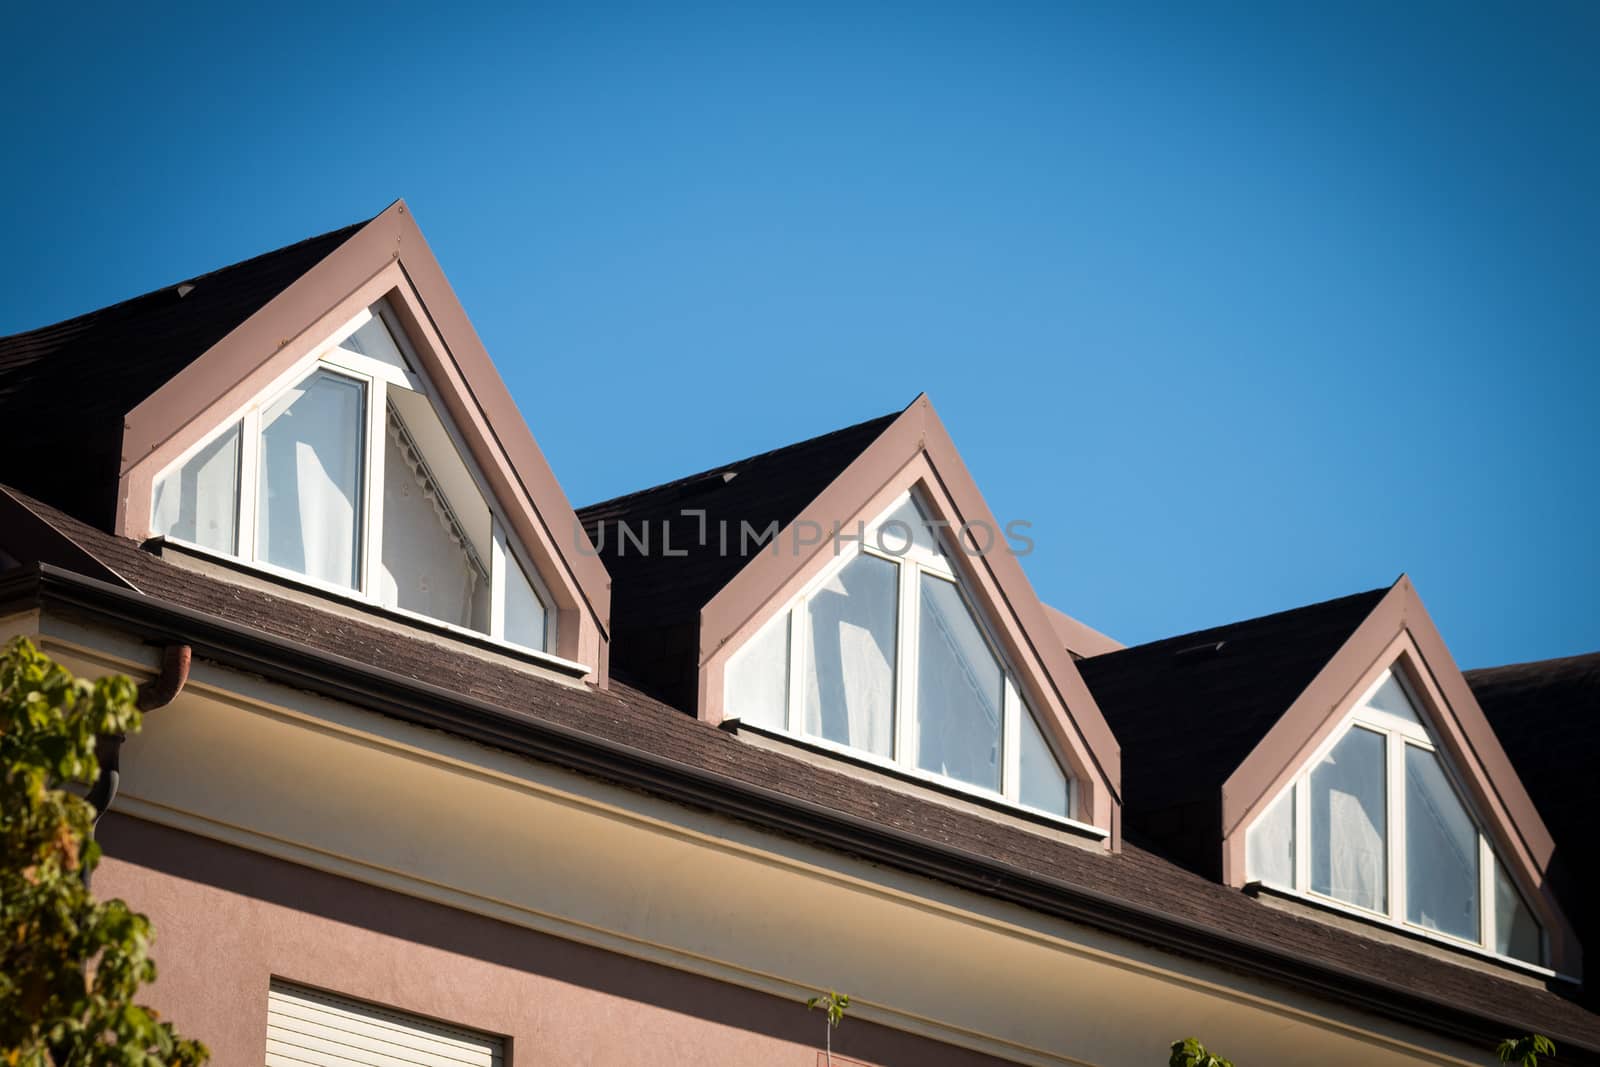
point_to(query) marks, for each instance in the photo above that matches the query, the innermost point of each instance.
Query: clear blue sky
(1243, 308)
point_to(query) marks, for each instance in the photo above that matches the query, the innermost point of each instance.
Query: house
(439, 769)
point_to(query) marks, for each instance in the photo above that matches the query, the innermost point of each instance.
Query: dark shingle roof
(623, 715)
(60, 439)
(656, 598)
(1547, 717)
(1187, 710)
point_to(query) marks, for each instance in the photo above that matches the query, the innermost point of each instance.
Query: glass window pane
(199, 502)
(1391, 697)
(525, 612)
(1348, 821)
(960, 689)
(758, 677)
(1441, 851)
(429, 565)
(1269, 846)
(903, 528)
(1044, 784)
(309, 513)
(850, 632)
(374, 341)
(1516, 932)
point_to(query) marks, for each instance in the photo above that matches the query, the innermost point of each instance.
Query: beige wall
(482, 835)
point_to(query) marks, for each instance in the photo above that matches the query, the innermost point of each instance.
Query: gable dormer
(854, 595)
(1333, 756)
(323, 417)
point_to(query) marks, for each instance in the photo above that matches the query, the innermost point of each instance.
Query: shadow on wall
(288, 885)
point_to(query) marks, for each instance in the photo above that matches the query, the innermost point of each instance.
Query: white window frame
(915, 561)
(376, 377)
(1398, 733)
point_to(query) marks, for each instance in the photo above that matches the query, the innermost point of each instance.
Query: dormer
(1333, 758)
(852, 596)
(324, 419)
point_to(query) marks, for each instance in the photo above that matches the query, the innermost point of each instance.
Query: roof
(1547, 716)
(1189, 709)
(626, 719)
(128, 351)
(652, 590)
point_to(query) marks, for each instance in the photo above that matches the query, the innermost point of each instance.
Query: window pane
(960, 690)
(374, 341)
(850, 642)
(310, 497)
(199, 502)
(1269, 846)
(903, 528)
(1391, 697)
(1441, 851)
(428, 565)
(758, 677)
(1516, 931)
(525, 612)
(1348, 813)
(1044, 784)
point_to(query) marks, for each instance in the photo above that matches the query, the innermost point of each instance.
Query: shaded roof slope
(650, 589)
(1134, 876)
(51, 425)
(1547, 717)
(1189, 709)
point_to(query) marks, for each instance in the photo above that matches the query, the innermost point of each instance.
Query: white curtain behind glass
(1044, 785)
(1269, 846)
(1348, 857)
(311, 457)
(425, 566)
(758, 677)
(525, 612)
(199, 502)
(960, 690)
(850, 633)
(1441, 851)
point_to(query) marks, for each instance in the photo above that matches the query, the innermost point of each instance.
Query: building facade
(441, 770)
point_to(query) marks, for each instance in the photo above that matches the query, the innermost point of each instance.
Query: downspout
(158, 692)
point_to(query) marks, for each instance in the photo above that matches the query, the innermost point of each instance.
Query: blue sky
(1242, 308)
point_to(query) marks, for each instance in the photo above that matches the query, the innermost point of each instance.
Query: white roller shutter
(308, 1027)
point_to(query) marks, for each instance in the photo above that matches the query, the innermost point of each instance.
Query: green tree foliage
(1525, 1051)
(70, 966)
(834, 1006)
(1191, 1053)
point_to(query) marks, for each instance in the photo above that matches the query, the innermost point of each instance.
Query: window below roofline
(1388, 719)
(395, 402)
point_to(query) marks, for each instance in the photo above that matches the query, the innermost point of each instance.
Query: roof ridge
(721, 468)
(1551, 662)
(193, 278)
(1271, 615)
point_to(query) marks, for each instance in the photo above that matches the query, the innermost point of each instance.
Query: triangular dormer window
(347, 476)
(885, 656)
(1377, 823)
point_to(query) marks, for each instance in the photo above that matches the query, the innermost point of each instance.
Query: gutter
(422, 703)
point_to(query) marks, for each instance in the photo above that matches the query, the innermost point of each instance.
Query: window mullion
(905, 733)
(1486, 895)
(1395, 753)
(371, 521)
(1011, 743)
(1302, 832)
(249, 478)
